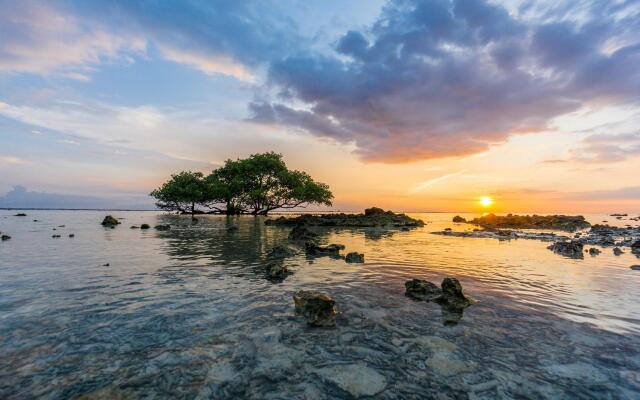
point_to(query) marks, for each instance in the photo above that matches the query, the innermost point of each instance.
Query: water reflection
(189, 313)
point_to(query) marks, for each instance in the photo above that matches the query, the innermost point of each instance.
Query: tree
(257, 185)
(182, 192)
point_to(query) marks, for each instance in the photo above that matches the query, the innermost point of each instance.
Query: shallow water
(188, 313)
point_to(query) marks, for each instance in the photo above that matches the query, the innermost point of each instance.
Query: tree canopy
(256, 185)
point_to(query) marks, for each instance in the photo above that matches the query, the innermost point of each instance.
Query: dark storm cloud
(439, 78)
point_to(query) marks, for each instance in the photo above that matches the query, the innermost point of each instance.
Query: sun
(486, 201)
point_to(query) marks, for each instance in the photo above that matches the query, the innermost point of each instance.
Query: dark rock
(373, 217)
(105, 265)
(35, 220)
(72, 235)
(567, 223)
(635, 267)
(232, 228)
(162, 227)
(318, 308)
(134, 227)
(635, 247)
(21, 215)
(110, 221)
(281, 251)
(458, 218)
(405, 229)
(419, 289)
(55, 236)
(452, 296)
(315, 250)
(276, 271)
(617, 251)
(61, 226)
(302, 234)
(145, 226)
(594, 252)
(354, 257)
(5, 237)
(570, 249)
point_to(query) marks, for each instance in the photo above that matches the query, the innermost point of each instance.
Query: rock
(419, 289)
(71, 235)
(374, 211)
(145, 226)
(594, 252)
(21, 215)
(356, 379)
(55, 236)
(5, 237)
(302, 234)
(354, 257)
(318, 308)
(276, 271)
(635, 267)
(134, 227)
(617, 251)
(281, 251)
(459, 219)
(110, 221)
(567, 223)
(571, 249)
(105, 265)
(635, 247)
(162, 227)
(315, 250)
(452, 296)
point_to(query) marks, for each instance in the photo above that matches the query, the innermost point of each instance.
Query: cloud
(438, 78)
(625, 193)
(20, 197)
(39, 39)
(607, 148)
(11, 160)
(430, 182)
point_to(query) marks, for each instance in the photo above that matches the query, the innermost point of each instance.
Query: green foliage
(257, 184)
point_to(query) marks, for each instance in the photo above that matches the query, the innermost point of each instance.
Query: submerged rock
(5, 237)
(617, 251)
(356, 379)
(281, 251)
(232, 228)
(354, 257)
(594, 252)
(419, 289)
(276, 271)
(162, 227)
(571, 249)
(459, 219)
(145, 226)
(330, 250)
(452, 296)
(318, 308)
(110, 221)
(300, 233)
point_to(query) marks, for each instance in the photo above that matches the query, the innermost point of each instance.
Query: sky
(411, 105)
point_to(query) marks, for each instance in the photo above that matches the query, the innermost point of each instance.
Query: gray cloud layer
(438, 78)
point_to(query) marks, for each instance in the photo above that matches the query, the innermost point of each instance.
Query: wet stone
(570, 249)
(318, 308)
(5, 237)
(419, 289)
(354, 257)
(356, 379)
(452, 296)
(594, 252)
(145, 226)
(617, 251)
(110, 221)
(276, 271)
(635, 267)
(281, 251)
(330, 250)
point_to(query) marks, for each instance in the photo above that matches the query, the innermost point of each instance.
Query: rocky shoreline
(371, 218)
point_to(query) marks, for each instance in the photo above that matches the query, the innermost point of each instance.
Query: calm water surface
(187, 313)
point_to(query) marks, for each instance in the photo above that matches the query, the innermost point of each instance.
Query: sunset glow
(486, 201)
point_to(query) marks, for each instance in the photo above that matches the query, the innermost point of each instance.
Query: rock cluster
(459, 219)
(281, 251)
(316, 250)
(317, 308)
(449, 294)
(571, 249)
(301, 233)
(5, 237)
(558, 222)
(372, 217)
(354, 257)
(109, 221)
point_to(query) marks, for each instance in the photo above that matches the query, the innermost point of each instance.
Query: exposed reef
(110, 222)
(372, 217)
(567, 223)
